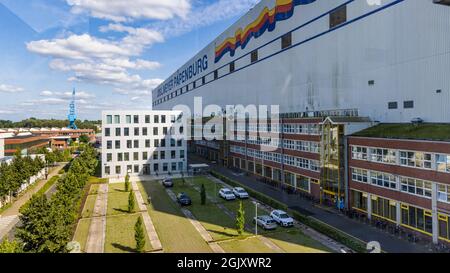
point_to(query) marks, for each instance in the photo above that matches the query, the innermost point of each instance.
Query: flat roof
(423, 131)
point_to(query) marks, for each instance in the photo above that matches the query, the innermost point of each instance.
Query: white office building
(143, 143)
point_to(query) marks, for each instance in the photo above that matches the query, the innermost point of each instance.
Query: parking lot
(218, 217)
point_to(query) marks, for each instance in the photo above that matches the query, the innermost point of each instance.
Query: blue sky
(114, 52)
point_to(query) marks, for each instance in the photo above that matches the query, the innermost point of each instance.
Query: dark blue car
(183, 199)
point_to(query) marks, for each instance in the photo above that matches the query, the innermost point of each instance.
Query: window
(417, 218)
(303, 183)
(129, 144)
(172, 142)
(203, 80)
(444, 193)
(147, 143)
(179, 143)
(107, 170)
(443, 163)
(408, 104)
(128, 119)
(384, 208)
(108, 119)
(254, 56)
(173, 154)
(156, 142)
(181, 154)
(109, 144)
(232, 67)
(107, 132)
(136, 168)
(155, 119)
(155, 131)
(155, 167)
(416, 187)
(165, 167)
(359, 200)
(144, 131)
(359, 175)
(444, 227)
(126, 156)
(136, 131)
(116, 119)
(173, 166)
(164, 130)
(163, 118)
(162, 155)
(359, 153)
(286, 40)
(118, 131)
(155, 155)
(136, 143)
(415, 159)
(383, 180)
(163, 143)
(108, 157)
(144, 155)
(383, 155)
(117, 144)
(119, 157)
(118, 170)
(147, 119)
(338, 16)
(126, 131)
(392, 105)
(135, 156)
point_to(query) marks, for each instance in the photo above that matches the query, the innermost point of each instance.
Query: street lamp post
(256, 217)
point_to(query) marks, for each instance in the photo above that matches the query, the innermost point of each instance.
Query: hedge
(343, 238)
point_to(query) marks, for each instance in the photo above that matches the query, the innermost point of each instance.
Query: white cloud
(123, 10)
(10, 88)
(46, 93)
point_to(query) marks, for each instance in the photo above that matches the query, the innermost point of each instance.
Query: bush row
(354, 244)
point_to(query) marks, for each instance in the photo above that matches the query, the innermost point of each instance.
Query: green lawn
(94, 189)
(118, 199)
(88, 208)
(294, 241)
(216, 222)
(120, 234)
(248, 245)
(82, 232)
(176, 233)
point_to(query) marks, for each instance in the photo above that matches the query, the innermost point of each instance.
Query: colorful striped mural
(283, 10)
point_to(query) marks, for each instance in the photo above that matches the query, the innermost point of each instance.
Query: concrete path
(151, 231)
(10, 217)
(198, 226)
(271, 244)
(361, 231)
(97, 231)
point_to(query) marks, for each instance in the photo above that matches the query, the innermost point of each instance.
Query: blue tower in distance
(72, 113)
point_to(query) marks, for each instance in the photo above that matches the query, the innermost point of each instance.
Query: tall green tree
(240, 219)
(139, 235)
(203, 195)
(131, 202)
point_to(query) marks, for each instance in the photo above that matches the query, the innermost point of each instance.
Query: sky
(113, 52)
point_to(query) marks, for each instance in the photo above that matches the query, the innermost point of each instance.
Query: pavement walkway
(97, 230)
(361, 231)
(9, 219)
(151, 231)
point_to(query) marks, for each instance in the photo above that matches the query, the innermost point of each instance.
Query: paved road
(389, 243)
(97, 230)
(150, 228)
(10, 217)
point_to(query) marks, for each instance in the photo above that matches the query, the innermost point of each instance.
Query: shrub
(139, 235)
(240, 219)
(131, 201)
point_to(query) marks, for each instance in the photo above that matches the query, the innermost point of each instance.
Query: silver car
(266, 222)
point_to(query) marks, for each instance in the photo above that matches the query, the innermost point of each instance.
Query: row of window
(135, 144)
(410, 216)
(145, 169)
(414, 159)
(293, 161)
(144, 131)
(129, 119)
(408, 185)
(155, 155)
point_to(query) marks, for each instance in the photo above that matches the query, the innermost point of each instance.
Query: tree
(131, 202)
(240, 219)
(127, 182)
(10, 246)
(203, 195)
(84, 139)
(139, 235)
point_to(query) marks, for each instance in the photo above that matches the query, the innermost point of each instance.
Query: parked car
(183, 199)
(282, 218)
(167, 182)
(227, 194)
(240, 193)
(266, 222)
